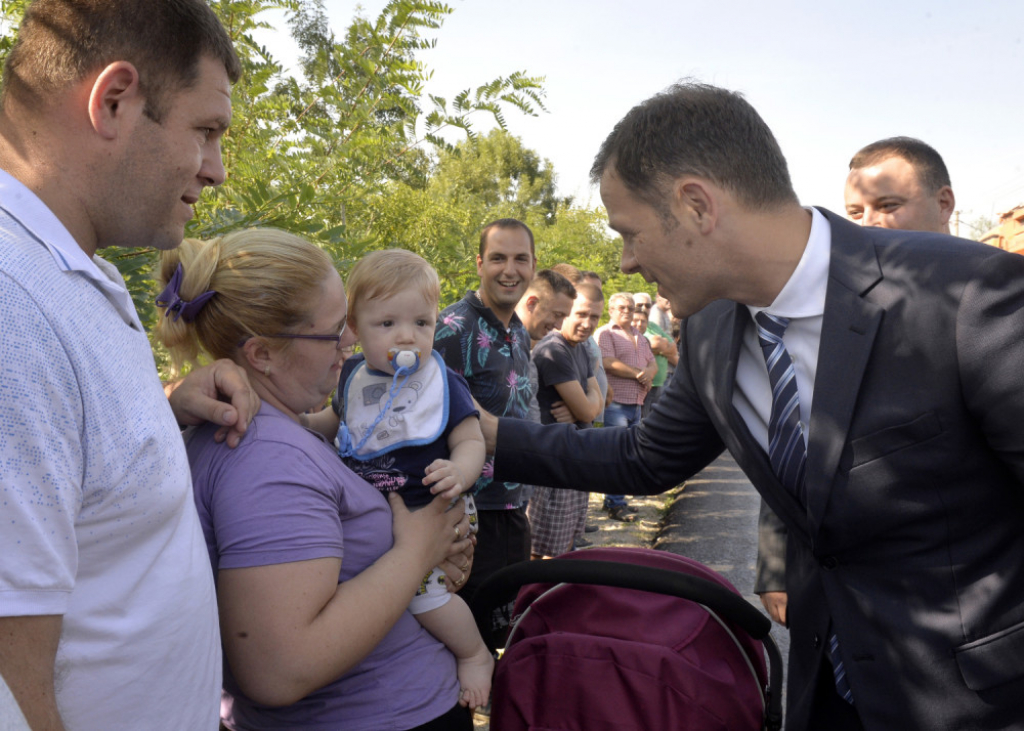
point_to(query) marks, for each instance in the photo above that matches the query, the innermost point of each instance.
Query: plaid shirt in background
(615, 343)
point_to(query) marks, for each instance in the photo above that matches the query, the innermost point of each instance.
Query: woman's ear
(257, 354)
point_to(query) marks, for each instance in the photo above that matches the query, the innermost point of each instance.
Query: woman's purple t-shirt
(283, 495)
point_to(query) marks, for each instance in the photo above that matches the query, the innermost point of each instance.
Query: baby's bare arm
(454, 476)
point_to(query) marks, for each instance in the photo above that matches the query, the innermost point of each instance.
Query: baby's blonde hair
(266, 281)
(385, 274)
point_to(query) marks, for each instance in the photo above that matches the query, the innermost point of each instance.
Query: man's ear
(695, 199)
(531, 302)
(115, 96)
(947, 203)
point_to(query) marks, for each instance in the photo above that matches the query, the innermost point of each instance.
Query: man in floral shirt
(482, 338)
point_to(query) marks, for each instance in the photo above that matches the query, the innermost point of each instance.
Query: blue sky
(828, 77)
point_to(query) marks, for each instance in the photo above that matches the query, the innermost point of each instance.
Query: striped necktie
(787, 450)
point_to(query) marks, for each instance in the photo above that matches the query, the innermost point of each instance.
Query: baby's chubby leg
(452, 623)
(449, 619)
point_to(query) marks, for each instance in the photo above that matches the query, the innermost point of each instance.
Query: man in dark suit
(898, 183)
(900, 481)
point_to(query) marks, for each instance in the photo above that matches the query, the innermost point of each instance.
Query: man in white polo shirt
(108, 617)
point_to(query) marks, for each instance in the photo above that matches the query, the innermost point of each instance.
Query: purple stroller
(620, 639)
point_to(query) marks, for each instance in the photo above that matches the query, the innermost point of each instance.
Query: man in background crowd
(546, 304)
(662, 345)
(576, 276)
(631, 368)
(595, 353)
(900, 183)
(566, 380)
(482, 337)
(661, 313)
(542, 309)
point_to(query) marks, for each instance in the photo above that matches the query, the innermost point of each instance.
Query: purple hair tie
(172, 301)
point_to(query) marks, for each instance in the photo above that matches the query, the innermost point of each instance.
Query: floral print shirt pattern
(496, 362)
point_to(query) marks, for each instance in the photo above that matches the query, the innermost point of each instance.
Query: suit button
(816, 641)
(829, 563)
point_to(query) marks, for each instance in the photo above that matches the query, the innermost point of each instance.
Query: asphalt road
(714, 520)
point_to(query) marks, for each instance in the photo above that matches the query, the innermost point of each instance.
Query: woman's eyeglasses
(295, 336)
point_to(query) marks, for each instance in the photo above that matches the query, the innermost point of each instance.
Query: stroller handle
(501, 588)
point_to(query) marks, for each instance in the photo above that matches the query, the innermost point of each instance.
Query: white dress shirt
(802, 300)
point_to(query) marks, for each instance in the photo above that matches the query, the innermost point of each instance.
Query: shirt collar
(474, 301)
(804, 293)
(26, 208)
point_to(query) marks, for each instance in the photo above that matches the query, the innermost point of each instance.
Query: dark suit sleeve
(990, 349)
(671, 445)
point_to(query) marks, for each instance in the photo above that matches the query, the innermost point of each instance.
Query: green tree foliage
(10, 15)
(351, 152)
(481, 179)
(477, 181)
(315, 152)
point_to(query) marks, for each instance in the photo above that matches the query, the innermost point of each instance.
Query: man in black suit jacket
(905, 540)
(899, 183)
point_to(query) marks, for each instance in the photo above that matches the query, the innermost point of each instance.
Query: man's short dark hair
(928, 164)
(504, 224)
(551, 283)
(591, 291)
(568, 271)
(60, 42)
(702, 130)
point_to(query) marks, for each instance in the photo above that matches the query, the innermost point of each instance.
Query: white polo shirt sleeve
(41, 460)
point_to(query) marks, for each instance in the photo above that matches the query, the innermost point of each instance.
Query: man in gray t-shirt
(566, 381)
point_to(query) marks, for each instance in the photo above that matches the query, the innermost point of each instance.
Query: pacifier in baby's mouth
(404, 359)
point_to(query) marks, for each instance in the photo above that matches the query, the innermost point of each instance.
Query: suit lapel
(727, 352)
(848, 331)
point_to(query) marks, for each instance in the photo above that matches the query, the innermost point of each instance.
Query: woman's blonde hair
(265, 280)
(385, 274)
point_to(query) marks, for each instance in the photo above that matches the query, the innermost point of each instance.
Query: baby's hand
(446, 478)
